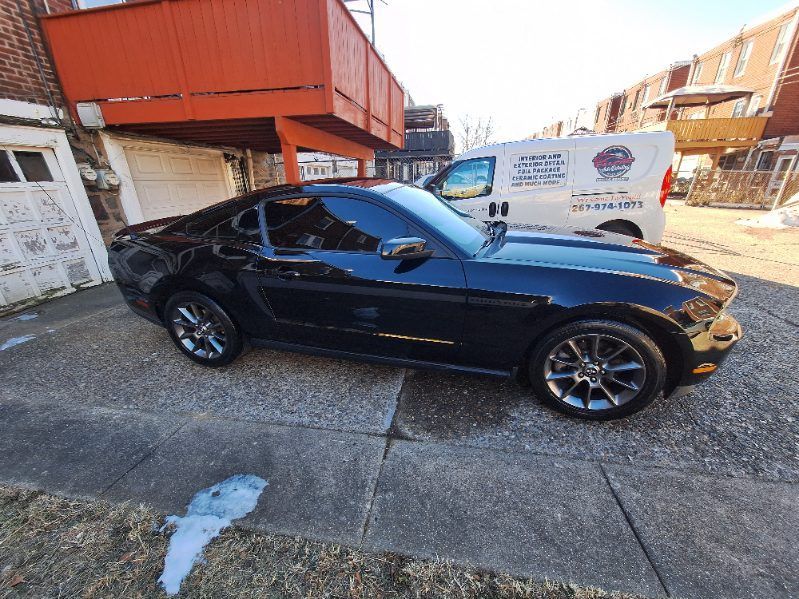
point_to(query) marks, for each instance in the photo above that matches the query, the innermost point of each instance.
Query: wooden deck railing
(743, 130)
(191, 60)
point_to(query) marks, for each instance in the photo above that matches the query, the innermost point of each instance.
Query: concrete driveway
(694, 497)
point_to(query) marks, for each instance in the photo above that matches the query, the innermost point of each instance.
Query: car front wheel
(202, 329)
(597, 369)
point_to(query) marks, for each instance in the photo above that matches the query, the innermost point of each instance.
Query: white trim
(28, 110)
(56, 139)
(789, 49)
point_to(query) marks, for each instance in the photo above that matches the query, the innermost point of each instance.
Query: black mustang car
(599, 324)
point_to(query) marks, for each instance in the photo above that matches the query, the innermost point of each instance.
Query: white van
(614, 182)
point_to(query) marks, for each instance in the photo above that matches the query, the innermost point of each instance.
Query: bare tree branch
(475, 133)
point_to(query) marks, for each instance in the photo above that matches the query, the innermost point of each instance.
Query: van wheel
(620, 226)
(202, 330)
(597, 369)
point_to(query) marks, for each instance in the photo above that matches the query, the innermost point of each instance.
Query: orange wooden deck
(261, 74)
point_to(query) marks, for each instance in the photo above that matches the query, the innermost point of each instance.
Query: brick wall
(21, 79)
(759, 75)
(607, 114)
(633, 114)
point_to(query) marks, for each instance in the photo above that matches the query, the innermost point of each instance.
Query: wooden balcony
(260, 74)
(697, 134)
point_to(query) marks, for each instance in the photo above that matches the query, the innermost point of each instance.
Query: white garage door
(173, 180)
(43, 250)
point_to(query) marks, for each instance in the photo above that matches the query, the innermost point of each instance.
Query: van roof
(588, 135)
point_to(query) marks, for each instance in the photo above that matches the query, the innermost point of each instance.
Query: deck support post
(294, 134)
(290, 164)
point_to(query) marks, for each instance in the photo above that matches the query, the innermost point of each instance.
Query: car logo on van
(614, 162)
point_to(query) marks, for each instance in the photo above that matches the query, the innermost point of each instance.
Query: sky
(527, 63)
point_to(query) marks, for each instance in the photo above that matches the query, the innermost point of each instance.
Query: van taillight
(665, 187)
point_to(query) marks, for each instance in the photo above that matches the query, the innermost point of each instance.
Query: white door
(44, 252)
(472, 185)
(781, 170)
(539, 182)
(172, 180)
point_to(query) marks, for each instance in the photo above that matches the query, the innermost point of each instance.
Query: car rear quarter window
(229, 222)
(331, 223)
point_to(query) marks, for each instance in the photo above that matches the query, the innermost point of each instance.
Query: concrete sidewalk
(650, 531)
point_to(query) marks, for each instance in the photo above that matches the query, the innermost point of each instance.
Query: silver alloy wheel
(199, 330)
(595, 372)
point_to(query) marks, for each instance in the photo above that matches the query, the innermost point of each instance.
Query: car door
(472, 186)
(539, 182)
(328, 286)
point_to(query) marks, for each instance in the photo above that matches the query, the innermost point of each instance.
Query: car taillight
(665, 187)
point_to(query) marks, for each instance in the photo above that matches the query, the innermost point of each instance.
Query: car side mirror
(405, 248)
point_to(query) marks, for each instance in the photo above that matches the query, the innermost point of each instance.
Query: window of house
(764, 162)
(596, 115)
(358, 226)
(779, 45)
(33, 166)
(743, 59)
(468, 179)
(645, 97)
(635, 99)
(663, 83)
(7, 172)
(622, 105)
(754, 105)
(697, 73)
(724, 65)
(738, 108)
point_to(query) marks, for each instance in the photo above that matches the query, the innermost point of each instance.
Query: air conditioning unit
(90, 115)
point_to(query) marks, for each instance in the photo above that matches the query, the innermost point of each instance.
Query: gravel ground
(742, 422)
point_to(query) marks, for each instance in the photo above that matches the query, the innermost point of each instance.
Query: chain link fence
(740, 188)
(409, 169)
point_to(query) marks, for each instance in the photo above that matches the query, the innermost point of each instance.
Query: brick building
(632, 113)
(735, 106)
(50, 242)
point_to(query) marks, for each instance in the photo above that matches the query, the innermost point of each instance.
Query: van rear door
(619, 178)
(538, 183)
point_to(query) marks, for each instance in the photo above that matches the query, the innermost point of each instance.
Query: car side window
(231, 222)
(331, 223)
(468, 179)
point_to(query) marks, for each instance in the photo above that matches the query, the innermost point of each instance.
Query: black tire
(621, 227)
(641, 347)
(224, 333)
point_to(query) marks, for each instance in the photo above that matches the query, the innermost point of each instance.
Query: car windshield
(463, 230)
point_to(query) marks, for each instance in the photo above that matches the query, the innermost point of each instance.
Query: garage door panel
(146, 164)
(42, 247)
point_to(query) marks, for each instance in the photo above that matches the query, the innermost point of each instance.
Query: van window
(468, 179)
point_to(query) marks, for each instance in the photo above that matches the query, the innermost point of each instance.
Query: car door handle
(287, 275)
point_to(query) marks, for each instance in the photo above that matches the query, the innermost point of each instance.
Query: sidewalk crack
(390, 433)
(152, 450)
(634, 531)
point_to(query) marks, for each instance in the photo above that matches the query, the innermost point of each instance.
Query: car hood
(590, 249)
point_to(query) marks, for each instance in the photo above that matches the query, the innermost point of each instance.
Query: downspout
(783, 62)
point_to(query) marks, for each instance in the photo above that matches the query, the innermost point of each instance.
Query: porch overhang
(226, 73)
(699, 95)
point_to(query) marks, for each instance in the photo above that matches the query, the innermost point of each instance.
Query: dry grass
(54, 547)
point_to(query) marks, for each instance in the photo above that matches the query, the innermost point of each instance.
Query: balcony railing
(215, 61)
(730, 132)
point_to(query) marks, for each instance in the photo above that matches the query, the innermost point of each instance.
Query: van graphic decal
(613, 163)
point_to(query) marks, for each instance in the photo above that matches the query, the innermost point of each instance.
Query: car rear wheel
(202, 329)
(621, 227)
(597, 369)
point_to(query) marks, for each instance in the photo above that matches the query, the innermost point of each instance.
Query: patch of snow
(210, 511)
(30, 316)
(781, 218)
(16, 341)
